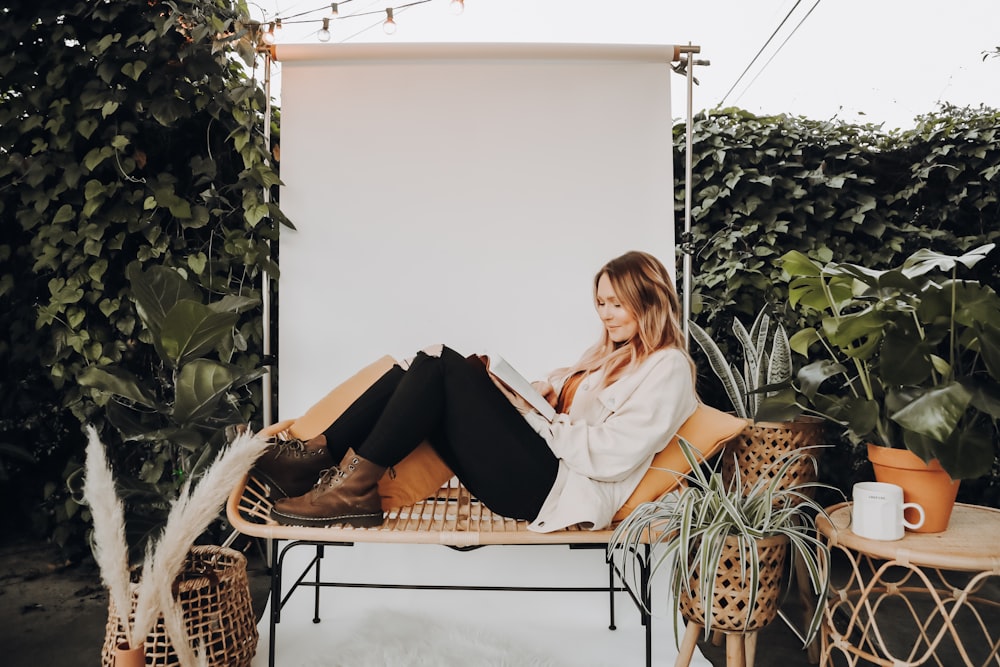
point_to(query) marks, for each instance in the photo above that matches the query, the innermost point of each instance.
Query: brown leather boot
(291, 467)
(347, 494)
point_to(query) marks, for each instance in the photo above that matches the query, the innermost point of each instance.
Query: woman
(618, 405)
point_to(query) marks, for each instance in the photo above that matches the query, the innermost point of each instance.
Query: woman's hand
(516, 400)
(547, 391)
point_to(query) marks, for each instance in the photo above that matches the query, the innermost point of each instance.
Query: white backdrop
(464, 194)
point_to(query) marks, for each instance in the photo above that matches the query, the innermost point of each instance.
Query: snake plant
(767, 360)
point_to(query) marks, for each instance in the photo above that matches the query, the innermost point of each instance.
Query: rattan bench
(451, 517)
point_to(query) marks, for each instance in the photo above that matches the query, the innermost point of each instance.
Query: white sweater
(607, 441)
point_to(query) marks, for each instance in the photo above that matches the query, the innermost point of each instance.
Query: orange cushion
(708, 430)
(418, 475)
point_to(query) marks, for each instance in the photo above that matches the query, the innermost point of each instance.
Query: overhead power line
(769, 39)
(776, 51)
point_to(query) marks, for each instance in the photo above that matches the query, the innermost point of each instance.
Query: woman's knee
(434, 350)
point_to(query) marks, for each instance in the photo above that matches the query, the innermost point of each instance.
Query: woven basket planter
(732, 599)
(218, 612)
(758, 450)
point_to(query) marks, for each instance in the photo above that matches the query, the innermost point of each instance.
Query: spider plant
(686, 532)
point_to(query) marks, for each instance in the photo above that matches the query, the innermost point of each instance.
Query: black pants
(451, 402)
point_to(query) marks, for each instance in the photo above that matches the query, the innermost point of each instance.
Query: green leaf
(797, 264)
(201, 384)
(156, 291)
(117, 381)
(925, 260)
(811, 376)
(936, 413)
(134, 70)
(802, 340)
(191, 329)
(233, 303)
(64, 214)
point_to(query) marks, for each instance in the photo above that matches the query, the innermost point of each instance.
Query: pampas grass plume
(110, 547)
(190, 515)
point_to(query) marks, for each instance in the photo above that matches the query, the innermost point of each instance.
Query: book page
(503, 371)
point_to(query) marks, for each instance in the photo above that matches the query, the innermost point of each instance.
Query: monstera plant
(174, 413)
(907, 357)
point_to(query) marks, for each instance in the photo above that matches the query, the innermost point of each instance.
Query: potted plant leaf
(908, 363)
(723, 548)
(766, 367)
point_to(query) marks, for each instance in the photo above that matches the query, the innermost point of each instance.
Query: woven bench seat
(451, 517)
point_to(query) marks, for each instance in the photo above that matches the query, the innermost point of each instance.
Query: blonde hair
(645, 290)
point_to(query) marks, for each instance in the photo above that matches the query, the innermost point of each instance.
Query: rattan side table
(929, 598)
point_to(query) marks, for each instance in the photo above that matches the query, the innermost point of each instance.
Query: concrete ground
(54, 613)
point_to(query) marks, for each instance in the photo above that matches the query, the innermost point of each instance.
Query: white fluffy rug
(391, 638)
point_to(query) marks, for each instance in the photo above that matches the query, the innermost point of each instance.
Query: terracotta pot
(926, 484)
(123, 656)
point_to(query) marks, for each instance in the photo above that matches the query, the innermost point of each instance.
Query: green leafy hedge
(131, 135)
(763, 186)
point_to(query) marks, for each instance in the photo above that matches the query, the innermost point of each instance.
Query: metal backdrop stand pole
(686, 67)
(267, 380)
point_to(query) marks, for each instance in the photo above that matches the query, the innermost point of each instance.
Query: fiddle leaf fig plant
(178, 411)
(908, 357)
(767, 361)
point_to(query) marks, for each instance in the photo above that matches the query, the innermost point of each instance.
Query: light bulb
(390, 25)
(334, 10)
(457, 7)
(324, 34)
(269, 35)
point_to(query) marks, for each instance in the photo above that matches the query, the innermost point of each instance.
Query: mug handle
(920, 511)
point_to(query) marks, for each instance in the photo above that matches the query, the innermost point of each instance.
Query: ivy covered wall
(131, 135)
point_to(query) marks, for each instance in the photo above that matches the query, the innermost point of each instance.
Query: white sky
(879, 61)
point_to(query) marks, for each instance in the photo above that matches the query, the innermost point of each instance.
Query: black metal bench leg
(319, 558)
(276, 563)
(611, 594)
(647, 609)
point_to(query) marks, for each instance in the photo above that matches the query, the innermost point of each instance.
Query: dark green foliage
(764, 186)
(175, 418)
(131, 135)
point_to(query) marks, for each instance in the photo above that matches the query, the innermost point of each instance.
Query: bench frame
(452, 517)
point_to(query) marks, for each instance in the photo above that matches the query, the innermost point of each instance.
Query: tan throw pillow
(417, 476)
(708, 430)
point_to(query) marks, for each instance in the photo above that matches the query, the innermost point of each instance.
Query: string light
(389, 27)
(332, 13)
(457, 7)
(268, 36)
(324, 34)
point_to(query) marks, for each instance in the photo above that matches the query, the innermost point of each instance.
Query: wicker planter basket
(218, 612)
(759, 447)
(731, 599)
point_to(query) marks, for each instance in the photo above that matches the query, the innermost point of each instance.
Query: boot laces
(329, 477)
(294, 445)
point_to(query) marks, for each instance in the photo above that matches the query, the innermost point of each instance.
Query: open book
(504, 372)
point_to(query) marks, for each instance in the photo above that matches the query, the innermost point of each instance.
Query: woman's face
(619, 322)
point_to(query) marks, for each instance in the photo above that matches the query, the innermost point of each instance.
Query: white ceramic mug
(877, 513)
